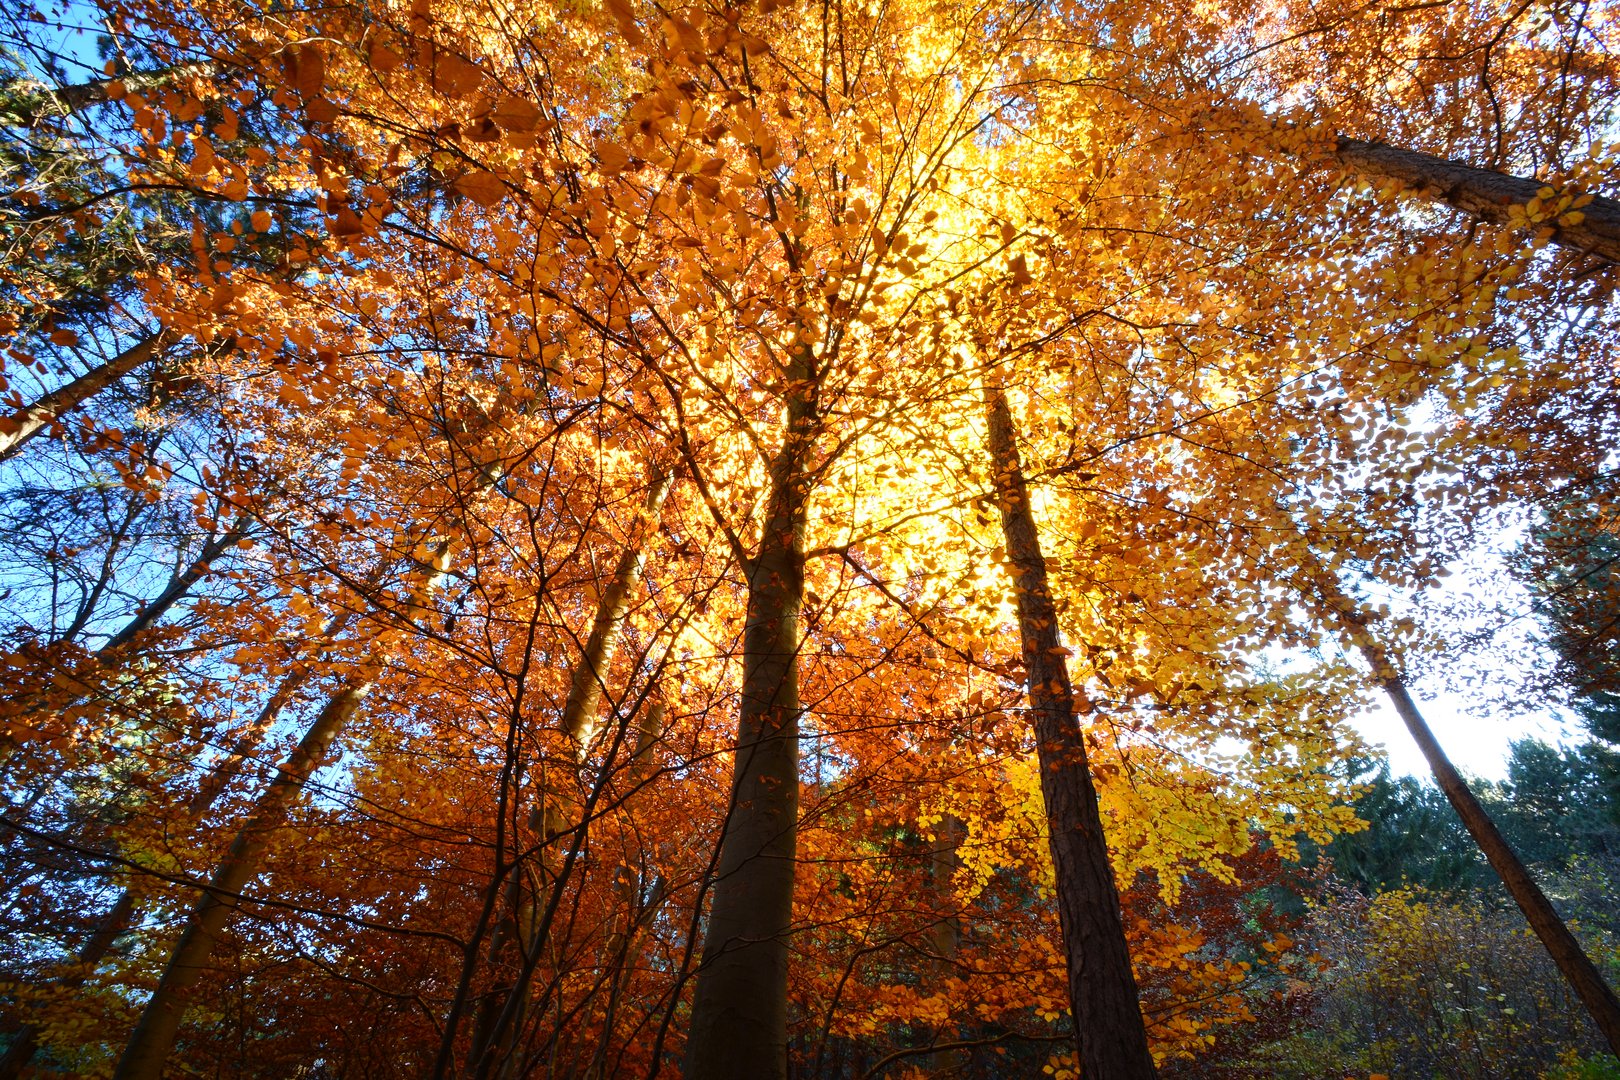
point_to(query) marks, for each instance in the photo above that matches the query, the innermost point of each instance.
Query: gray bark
(1482, 193)
(738, 1029)
(1555, 936)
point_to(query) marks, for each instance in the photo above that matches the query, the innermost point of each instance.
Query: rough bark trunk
(738, 1029)
(1483, 193)
(1102, 988)
(30, 420)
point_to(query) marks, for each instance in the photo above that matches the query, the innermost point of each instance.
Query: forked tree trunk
(31, 420)
(1577, 968)
(738, 1029)
(1102, 988)
(179, 586)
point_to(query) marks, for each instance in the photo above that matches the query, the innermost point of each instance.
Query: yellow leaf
(482, 187)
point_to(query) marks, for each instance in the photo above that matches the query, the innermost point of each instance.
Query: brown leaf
(516, 114)
(612, 156)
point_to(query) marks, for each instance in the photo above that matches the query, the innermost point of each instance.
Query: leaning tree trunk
(738, 1029)
(153, 1039)
(1577, 968)
(1484, 194)
(30, 420)
(1102, 988)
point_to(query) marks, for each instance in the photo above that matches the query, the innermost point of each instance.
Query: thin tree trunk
(153, 1039)
(31, 106)
(1577, 968)
(496, 1021)
(30, 420)
(118, 918)
(1482, 193)
(179, 586)
(1102, 988)
(738, 1029)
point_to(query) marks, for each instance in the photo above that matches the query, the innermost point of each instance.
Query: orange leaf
(482, 187)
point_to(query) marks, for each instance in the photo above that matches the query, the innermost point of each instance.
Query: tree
(505, 280)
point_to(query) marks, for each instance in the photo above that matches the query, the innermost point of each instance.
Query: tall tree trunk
(1102, 987)
(738, 1029)
(30, 420)
(1482, 193)
(149, 1046)
(1577, 968)
(153, 1039)
(496, 1019)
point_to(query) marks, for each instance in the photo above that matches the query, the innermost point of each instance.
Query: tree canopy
(617, 538)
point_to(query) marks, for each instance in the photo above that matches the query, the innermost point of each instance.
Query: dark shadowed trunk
(153, 1039)
(1102, 988)
(738, 1029)
(147, 1052)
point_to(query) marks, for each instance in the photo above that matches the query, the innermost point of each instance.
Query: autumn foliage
(514, 570)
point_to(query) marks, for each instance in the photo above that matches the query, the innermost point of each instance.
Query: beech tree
(726, 538)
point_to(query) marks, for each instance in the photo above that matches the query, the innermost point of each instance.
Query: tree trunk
(118, 918)
(153, 1039)
(179, 586)
(1102, 988)
(1483, 193)
(29, 107)
(30, 420)
(1549, 926)
(495, 1019)
(738, 1029)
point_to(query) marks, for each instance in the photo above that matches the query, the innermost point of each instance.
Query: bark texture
(738, 1029)
(1483, 193)
(1102, 988)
